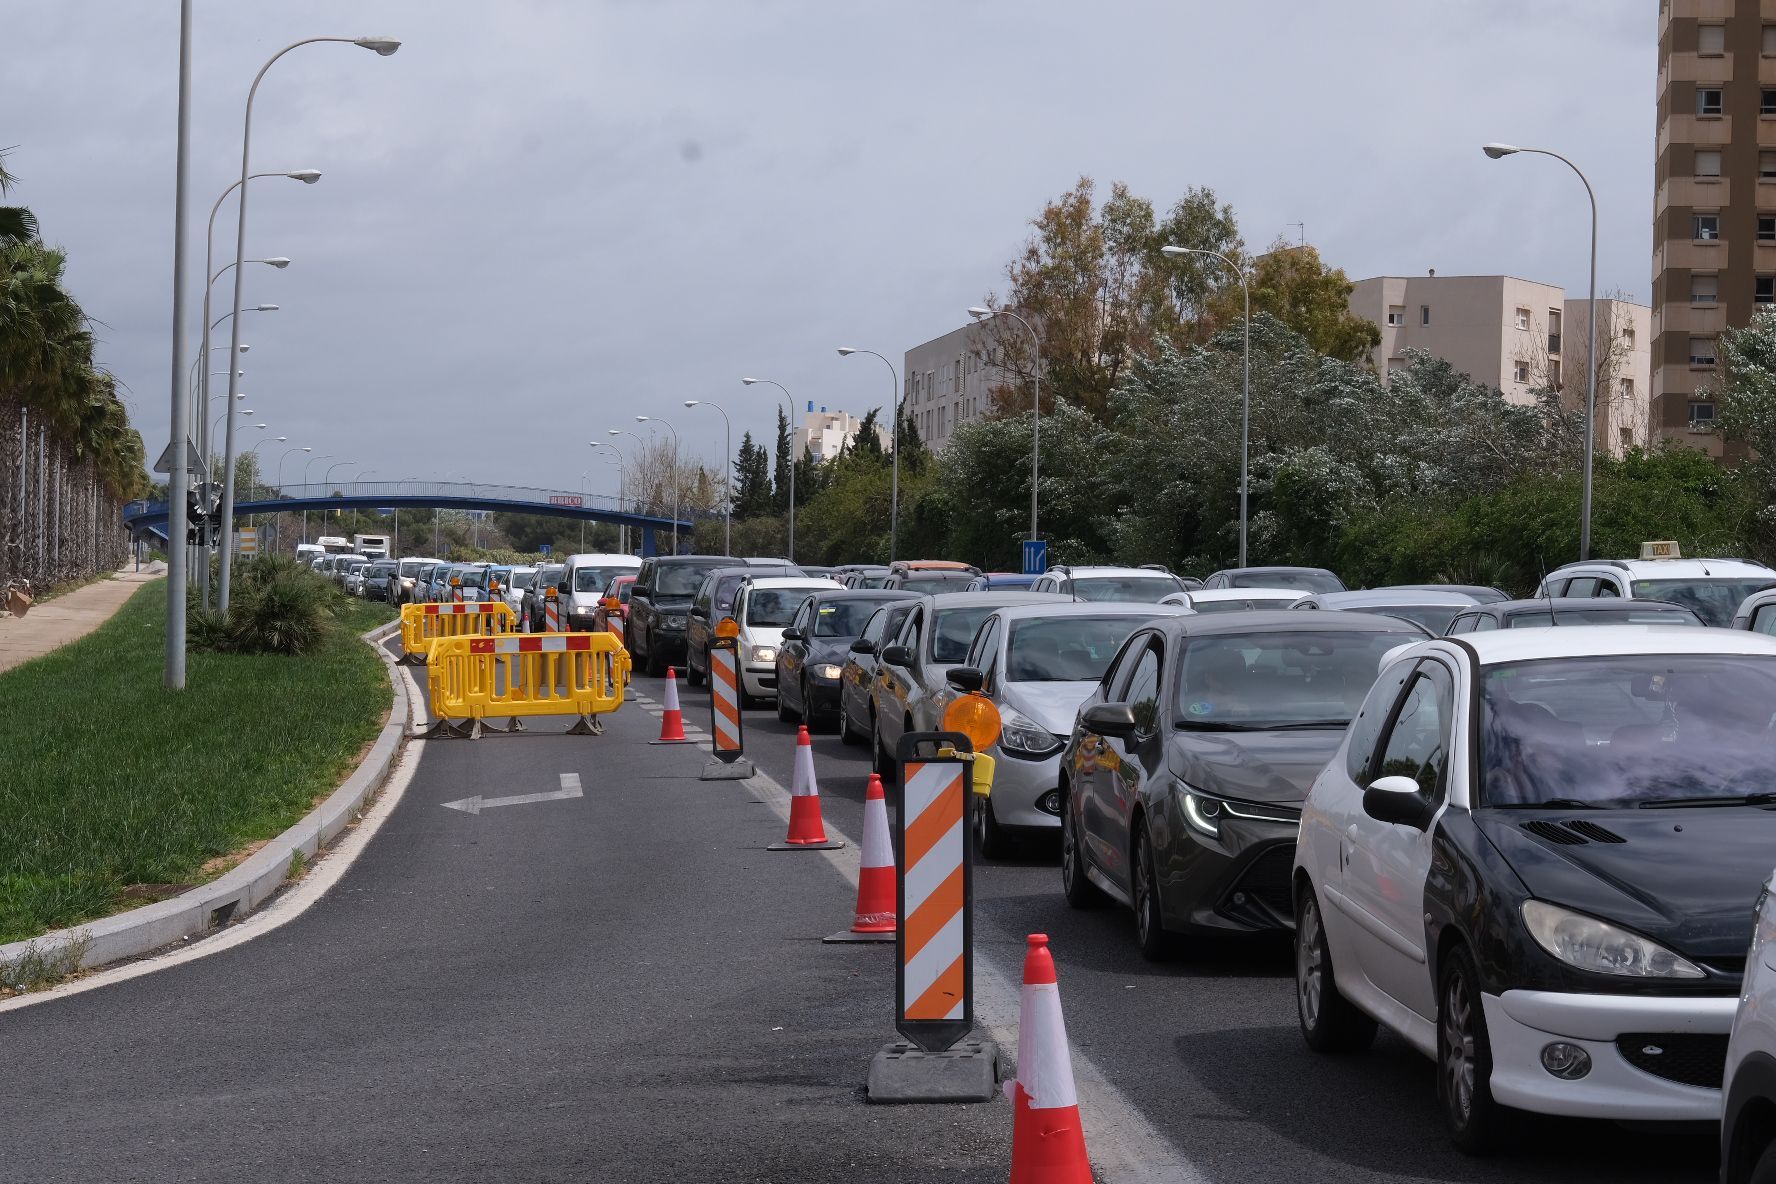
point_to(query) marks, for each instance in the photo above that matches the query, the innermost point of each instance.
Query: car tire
(1330, 1023)
(990, 841)
(810, 719)
(848, 735)
(1765, 1171)
(882, 763)
(1080, 892)
(653, 664)
(785, 713)
(1464, 1058)
(1151, 936)
(692, 676)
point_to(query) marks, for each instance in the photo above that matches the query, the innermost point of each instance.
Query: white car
(584, 582)
(1534, 857)
(763, 609)
(1711, 588)
(353, 580)
(1136, 585)
(1233, 600)
(1748, 1120)
(519, 577)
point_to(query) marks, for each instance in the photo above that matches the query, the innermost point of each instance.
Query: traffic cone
(875, 879)
(806, 831)
(672, 724)
(1047, 1140)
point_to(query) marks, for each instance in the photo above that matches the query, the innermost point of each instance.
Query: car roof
(721, 560)
(1518, 645)
(1227, 571)
(751, 572)
(880, 595)
(812, 583)
(1108, 572)
(1672, 569)
(1068, 607)
(1290, 594)
(1581, 604)
(932, 565)
(1287, 621)
(1391, 596)
(991, 599)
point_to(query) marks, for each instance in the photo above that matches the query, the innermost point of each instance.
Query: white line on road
(570, 788)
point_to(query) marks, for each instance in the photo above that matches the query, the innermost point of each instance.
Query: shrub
(276, 606)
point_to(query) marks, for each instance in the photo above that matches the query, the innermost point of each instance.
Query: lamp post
(1495, 152)
(728, 500)
(382, 46)
(793, 458)
(311, 460)
(278, 261)
(633, 500)
(178, 548)
(255, 448)
(281, 459)
(197, 425)
(846, 351)
(622, 481)
(1246, 383)
(677, 482)
(980, 314)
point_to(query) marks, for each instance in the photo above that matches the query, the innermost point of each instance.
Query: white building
(827, 433)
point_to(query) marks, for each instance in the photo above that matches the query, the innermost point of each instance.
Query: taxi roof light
(1664, 549)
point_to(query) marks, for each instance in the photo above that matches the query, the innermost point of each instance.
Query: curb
(210, 907)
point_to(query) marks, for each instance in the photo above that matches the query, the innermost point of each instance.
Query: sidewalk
(52, 624)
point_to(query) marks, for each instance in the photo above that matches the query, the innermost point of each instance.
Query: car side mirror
(697, 610)
(897, 655)
(640, 592)
(1110, 719)
(792, 634)
(863, 645)
(1396, 800)
(966, 679)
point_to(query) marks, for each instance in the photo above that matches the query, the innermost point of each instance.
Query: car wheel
(1464, 1058)
(883, 764)
(693, 676)
(1080, 892)
(1329, 1022)
(656, 668)
(786, 713)
(809, 717)
(848, 735)
(989, 840)
(1765, 1171)
(1150, 932)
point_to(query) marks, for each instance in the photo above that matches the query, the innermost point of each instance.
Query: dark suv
(660, 604)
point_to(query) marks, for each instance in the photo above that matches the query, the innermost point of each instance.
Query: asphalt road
(1208, 1049)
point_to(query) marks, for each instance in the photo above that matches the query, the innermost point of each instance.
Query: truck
(334, 544)
(376, 546)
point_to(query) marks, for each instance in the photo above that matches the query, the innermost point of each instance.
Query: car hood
(761, 635)
(1254, 766)
(1685, 878)
(1052, 705)
(586, 601)
(834, 650)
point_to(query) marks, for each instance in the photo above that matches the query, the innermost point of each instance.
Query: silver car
(1038, 663)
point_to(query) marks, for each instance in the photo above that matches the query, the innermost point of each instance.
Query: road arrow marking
(570, 788)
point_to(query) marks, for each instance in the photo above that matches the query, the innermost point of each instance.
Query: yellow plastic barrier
(422, 624)
(481, 678)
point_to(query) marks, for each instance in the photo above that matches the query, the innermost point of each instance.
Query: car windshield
(1065, 649)
(679, 579)
(870, 582)
(1132, 589)
(1235, 606)
(725, 587)
(843, 618)
(622, 592)
(1601, 615)
(1435, 617)
(1307, 581)
(1712, 600)
(1280, 678)
(773, 607)
(936, 581)
(596, 579)
(549, 576)
(472, 577)
(1627, 729)
(955, 631)
(410, 567)
(523, 579)
(381, 569)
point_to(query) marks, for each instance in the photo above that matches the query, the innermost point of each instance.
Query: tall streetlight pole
(281, 459)
(793, 458)
(980, 314)
(277, 261)
(622, 482)
(255, 448)
(728, 500)
(633, 500)
(677, 480)
(382, 46)
(1246, 383)
(311, 460)
(173, 672)
(1495, 151)
(846, 351)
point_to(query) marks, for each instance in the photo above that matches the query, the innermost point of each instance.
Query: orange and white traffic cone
(672, 724)
(1047, 1140)
(875, 878)
(806, 830)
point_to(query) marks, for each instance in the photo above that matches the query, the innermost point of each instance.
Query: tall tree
(780, 466)
(752, 480)
(1294, 285)
(868, 442)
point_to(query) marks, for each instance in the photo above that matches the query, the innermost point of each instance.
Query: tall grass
(108, 781)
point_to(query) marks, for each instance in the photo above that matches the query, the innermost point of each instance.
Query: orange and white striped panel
(933, 949)
(724, 690)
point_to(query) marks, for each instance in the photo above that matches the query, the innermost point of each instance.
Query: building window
(1708, 162)
(1704, 289)
(1554, 373)
(1628, 336)
(1520, 372)
(1766, 228)
(1701, 351)
(1553, 330)
(1627, 389)
(1765, 292)
(1701, 416)
(1770, 40)
(1711, 40)
(1396, 316)
(1523, 318)
(1708, 100)
(1424, 314)
(1705, 227)
(1767, 102)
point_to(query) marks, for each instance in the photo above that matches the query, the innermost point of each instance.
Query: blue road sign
(544, 548)
(1035, 556)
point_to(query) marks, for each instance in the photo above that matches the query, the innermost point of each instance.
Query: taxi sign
(1660, 550)
(975, 717)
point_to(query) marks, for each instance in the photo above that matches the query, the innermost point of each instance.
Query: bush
(277, 606)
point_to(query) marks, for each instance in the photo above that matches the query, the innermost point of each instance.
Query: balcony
(1693, 67)
(1553, 343)
(1703, 130)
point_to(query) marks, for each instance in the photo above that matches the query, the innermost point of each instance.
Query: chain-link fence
(57, 521)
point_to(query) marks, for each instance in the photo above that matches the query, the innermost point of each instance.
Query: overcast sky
(543, 217)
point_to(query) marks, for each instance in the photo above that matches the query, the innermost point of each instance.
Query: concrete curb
(211, 906)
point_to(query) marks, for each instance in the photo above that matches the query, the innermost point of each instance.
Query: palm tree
(16, 222)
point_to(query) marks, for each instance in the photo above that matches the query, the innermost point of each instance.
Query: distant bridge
(151, 517)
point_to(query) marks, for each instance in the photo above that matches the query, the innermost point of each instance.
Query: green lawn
(111, 782)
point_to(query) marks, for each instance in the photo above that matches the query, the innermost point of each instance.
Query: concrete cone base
(719, 770)
(846, 937)
(829, 845)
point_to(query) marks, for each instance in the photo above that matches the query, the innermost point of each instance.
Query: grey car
(1183, 782)
(376, 579)
(857, 679)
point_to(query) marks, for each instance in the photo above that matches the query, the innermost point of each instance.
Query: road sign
(544, 548)
(193, 461)
(1035, 556)
(246, 542)
(566, 499)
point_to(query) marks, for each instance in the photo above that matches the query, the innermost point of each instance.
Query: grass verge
(117, 792)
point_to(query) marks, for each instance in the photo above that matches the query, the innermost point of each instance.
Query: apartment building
(948, 382)
(1714, 203)
(827, 433)
(1520, 336)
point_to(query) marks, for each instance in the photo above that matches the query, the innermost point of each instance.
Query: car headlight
(762, 653)
(1602, 948)
(1022, 736)
(1202, 812)
(827, 671)
(1205, 812)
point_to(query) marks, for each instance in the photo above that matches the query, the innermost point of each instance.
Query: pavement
(52, 624)
(627, 986)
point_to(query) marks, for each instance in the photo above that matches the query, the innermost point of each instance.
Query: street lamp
(677, 481)
(846, 351)
(1246, 384)
(980, 314)
(1496, 152)
(728, 501)
(287, 452)
(382, 46)
(277, 261)
(306, 494)
(622, 482)
(787, 398)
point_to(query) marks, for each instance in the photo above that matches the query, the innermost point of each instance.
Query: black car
(1183, 780)
(713, 601)
(1569, 610)
(859, 670)
(815, 648)
(533, 604)
(660, 605)
(1307, 579)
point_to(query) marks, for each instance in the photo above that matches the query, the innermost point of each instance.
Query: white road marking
(570, 788)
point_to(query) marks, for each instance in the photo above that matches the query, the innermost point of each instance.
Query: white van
(585, 580)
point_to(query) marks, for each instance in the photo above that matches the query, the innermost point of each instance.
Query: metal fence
(57, 521)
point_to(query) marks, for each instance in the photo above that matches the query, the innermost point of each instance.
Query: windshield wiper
(1194, 725)
(1309, 723)
(1550, 804)
(1762, 798)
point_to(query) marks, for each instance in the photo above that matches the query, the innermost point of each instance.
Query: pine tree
(780, 470)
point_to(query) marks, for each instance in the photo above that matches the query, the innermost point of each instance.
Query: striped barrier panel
(934, 960)
(724, 699)
(422, 624)
(474, 679)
